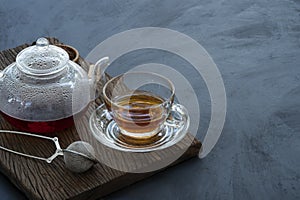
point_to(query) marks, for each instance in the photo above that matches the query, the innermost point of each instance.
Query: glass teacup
(139, 103)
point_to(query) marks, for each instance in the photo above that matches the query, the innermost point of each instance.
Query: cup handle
(178, 114)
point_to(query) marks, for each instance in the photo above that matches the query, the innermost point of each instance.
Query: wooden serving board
(40, 180)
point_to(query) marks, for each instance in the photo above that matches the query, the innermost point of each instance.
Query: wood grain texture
(40, 180)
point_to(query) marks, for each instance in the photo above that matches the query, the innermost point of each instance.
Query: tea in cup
(139, 103)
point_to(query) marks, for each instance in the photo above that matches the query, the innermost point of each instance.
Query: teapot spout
(95, 75)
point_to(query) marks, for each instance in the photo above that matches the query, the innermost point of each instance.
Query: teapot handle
(95, 74)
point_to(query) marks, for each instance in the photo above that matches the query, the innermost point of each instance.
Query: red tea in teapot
(42, 126)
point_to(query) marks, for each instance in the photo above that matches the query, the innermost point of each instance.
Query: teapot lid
(42, 59)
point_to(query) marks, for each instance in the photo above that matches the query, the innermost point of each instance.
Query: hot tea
(139, 103)
(41, 126)
(138, 113)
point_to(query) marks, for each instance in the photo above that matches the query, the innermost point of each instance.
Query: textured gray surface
(256, 45)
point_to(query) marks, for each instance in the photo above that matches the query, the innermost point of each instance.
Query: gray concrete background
(256, 45)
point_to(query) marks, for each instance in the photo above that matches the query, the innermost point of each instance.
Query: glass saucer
(107, 132)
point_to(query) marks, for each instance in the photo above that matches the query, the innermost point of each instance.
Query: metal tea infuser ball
(79, 156)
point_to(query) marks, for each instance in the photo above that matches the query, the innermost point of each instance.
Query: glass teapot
(43, 89)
